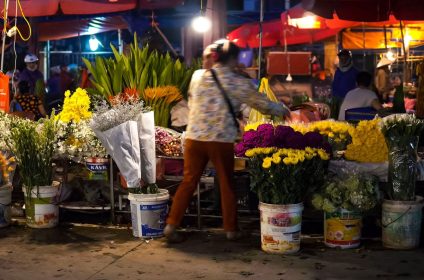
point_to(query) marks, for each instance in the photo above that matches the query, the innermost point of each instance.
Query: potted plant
(33, 146)
(401, 211)
(285, 167)
(344, 198)
(7, 167)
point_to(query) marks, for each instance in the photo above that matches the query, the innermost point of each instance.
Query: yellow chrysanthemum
(267, 162)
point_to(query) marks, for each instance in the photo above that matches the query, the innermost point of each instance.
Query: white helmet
(29, 58)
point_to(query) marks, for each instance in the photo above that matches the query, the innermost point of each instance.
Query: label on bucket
(342, 229)
(280, 231)
(97, 168)
(148, 218)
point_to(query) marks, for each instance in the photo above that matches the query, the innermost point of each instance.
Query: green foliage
(353, 192)
(140, 69)
(286, 184)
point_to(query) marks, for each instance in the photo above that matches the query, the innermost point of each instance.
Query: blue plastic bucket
(401, 222)
(148, 213)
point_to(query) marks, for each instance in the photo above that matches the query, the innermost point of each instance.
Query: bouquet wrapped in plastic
(168, 142)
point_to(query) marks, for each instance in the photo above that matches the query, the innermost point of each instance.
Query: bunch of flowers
(161, 100)
(5, 121)
(107, 117)
(168, 142)
(76, 139)
(368, 143)
(280, 136)
(401, 125)
(336, 133)
(353, 192)
(286, 176)
(7, 166)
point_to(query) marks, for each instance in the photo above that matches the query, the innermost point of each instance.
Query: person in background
(382, 79)
(55, 94)
(211, 133)
(361, 96)
(29, 102)
(31, 74)
(344, 80)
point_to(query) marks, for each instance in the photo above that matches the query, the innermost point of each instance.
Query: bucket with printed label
(97, 168)
(5, 200)
(41, 208)
(401, 222)
(342, 229)
(148, 213)
(280, 227)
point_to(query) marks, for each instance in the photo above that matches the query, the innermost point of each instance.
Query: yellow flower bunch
(252, 126)
(331, 129)
(161, 99)
(368, 144)
(5, 167)
(293, 157)
(75, 107)
(259, 151)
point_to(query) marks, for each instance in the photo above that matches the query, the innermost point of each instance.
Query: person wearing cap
(382, 79)
(211, 132)
(31, 74)
(344, 79)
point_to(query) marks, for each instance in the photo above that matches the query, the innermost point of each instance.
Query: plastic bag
(168, 142)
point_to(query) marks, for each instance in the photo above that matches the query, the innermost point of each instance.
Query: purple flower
(240, 149)
(281, 134)
(266, 132)
(296, 140)
(314, 139)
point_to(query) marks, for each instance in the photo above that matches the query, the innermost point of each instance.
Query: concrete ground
(102, 252)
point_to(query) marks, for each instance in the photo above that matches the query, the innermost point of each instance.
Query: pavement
(100, 252)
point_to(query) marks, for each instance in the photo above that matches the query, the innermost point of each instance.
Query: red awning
(285, 30)
(367, 10)
(35, 8)
(72, 28)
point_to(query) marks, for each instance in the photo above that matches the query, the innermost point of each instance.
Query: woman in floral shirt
(211, 133)
(29, 102)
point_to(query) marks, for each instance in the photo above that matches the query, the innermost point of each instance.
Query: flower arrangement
(161, 99)
(368, 143)
(286, 176)
(285, 165)
(280, 136)
(76, 139)
(353, 192)
(7, 166)
(33, 145)
(5, 121)
(402, 132)
(335, 132)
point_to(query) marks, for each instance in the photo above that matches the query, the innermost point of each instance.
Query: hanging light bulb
(201, 23)
(289, 78)
(93, 43)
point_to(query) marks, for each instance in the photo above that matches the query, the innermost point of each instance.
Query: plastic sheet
(402, 167)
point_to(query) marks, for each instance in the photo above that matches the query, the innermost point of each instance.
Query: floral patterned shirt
(209, 116)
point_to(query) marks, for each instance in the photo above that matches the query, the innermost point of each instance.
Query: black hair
(275, 79)
(363, 78)
(23, 87)
(226, 50)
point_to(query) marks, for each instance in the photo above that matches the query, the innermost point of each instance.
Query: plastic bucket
(41, 209)
(342, 228)
(401, 222)
(280, 227)
(148, 213)
(5, 200)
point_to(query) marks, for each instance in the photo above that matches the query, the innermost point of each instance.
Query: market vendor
(211, 132)
(382, 79)
(344, 80)
(29, 102)
(31, 74)
(361, 96)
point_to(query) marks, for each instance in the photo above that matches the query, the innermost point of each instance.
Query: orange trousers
(196, 156)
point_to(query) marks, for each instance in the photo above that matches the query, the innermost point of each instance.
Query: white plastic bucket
(401, 222)
(41, 209)
(148, 213)
(342, 229)
(5, 200)
(280, 227)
